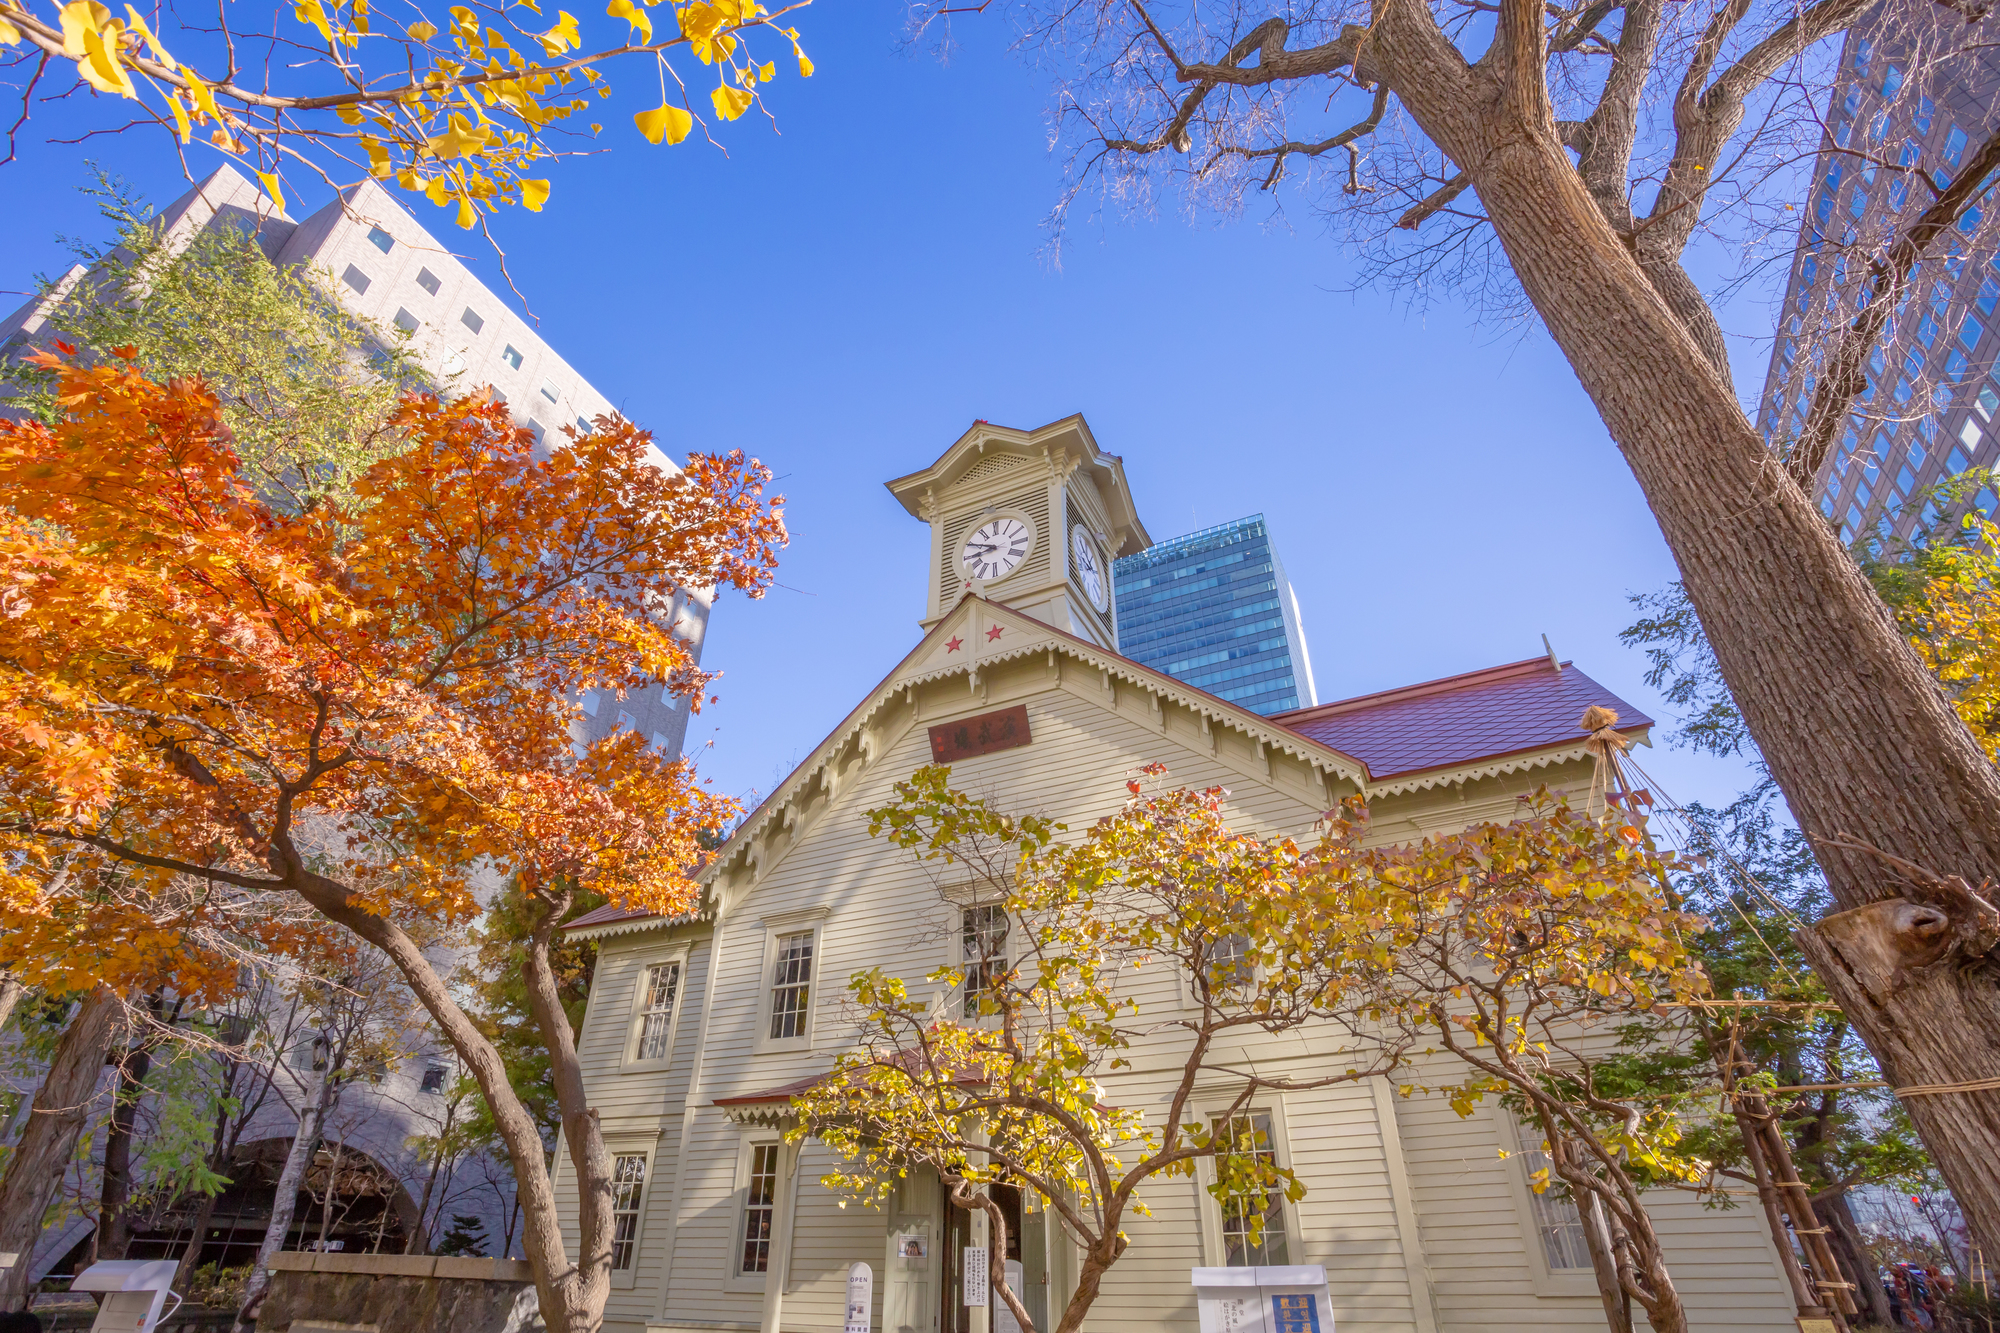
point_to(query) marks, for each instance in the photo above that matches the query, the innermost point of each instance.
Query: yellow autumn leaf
(421, 31)
(273, 187)
(310, 11)
(136, 22)
(563, 37)
(203, 98)
(100, 65)
(466, 215)
(666, 122)
(730, 102)
(349, 115)
(9, 34)
(641, 21)
(180, 118)
(79, 17)
(534, 194)
(438, 191)
(805, 66)
(767, 71)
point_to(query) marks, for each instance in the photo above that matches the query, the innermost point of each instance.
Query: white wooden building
(700, 1027)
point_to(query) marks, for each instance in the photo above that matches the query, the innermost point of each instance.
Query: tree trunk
(41, 1158)
(114, 1218)
(1858, 736)
(285, 1198)
(572, 1296)
(204, 1212)
(1837, 1216)
(1597, 1240)
(11, 992)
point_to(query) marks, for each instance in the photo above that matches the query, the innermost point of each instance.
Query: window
(583, 425)
(1906, 481)
(381, 240)
(405, 321)
(1970, 332)
(1956, 462)
(656, 1022)
(983, 954)
(311, 1055)
(1954, 145)
(1864, 50)
(589, 703)
(1892, 79)
(1922, 120)
(1253, 1235)
(791, 988)
(1857, 203)
(660, 741)
(1228, 955)
(1852, 102)
(356, 279)
(1987, 401)
(1927, 329)
(760, 1206)
(433, 1079)
(428, 281)
(628, 1186)
(511, 357)
(471, 320)
(1556, 1217)
(1956, 365)
(549, 392)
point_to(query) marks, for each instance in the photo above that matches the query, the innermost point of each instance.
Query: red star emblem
(952, 644)
(993, 634)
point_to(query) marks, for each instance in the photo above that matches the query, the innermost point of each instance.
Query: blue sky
(844, 297)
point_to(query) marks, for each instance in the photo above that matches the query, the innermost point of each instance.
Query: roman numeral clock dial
(995, 548)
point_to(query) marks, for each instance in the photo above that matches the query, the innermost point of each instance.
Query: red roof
(610, 912)
(784, 1092)
(1488, 714)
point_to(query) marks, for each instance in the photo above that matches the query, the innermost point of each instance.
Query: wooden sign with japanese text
(953, 741)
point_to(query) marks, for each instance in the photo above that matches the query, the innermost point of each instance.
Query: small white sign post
(860, 1297)
(977, 1292)
(134, 1291)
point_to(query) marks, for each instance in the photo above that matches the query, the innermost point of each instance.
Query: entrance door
(910, 1288)
(961, 1230)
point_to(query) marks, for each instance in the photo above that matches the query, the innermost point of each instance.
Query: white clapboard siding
(1464, 1265)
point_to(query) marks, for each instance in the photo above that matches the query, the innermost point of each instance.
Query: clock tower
(1031, 519)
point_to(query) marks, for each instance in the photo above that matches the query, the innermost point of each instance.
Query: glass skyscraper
(1215, 610)
(1928, 410)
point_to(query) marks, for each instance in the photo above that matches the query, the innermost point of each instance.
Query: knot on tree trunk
(1942, 920)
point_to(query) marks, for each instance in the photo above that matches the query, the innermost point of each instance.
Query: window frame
(1545, 1280)
(961, 907)
(734, 1278)
(1213, 1105)
(675, 954)
(624, 1279)
(809, 920)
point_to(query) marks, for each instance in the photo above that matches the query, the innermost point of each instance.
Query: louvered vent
(992, 467)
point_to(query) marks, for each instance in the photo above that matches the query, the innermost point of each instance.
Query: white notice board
(1289, 1299)
(976, 1285)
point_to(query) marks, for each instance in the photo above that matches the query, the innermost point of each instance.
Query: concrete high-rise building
(1215, 610)
(1906, 94)
(391, 272)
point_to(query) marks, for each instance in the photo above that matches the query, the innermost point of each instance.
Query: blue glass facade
(1215, 610)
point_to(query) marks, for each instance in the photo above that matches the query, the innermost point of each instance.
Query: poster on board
(860, 1297)
(976, 1285)
(1289, 1299)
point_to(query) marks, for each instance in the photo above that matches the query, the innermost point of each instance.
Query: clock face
(995, 548)
(1089, 570)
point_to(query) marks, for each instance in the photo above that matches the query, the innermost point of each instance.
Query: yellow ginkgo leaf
(767, 71)
(730, 102)
(421, 31)
(805, 66)
(79, 17)
(100, 65)
(310, 11)
(466, 215)
(273, 187)
(534, 194)
(9, 34)
(667, 122)
(204, 100)
(180, 118)
(136, 22)
(641, 21)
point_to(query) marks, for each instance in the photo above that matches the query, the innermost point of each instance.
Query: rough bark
(1857, 735)
(1837, 1216)
(285, 1196)
(11, 992)
(114, 1218)
(60, 1111)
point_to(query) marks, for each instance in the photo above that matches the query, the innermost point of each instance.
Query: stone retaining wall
(398, 1293)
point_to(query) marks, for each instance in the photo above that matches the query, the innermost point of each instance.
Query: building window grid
(791, 986)
(663, 984)
(1253, 1236)
(760, 1206)
(628, 1186)
(982, 952)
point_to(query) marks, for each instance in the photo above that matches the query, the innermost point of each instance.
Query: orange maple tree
(370, 705)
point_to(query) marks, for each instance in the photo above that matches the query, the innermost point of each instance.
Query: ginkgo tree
(466, 104)
(1152, 945)
(195, 684)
